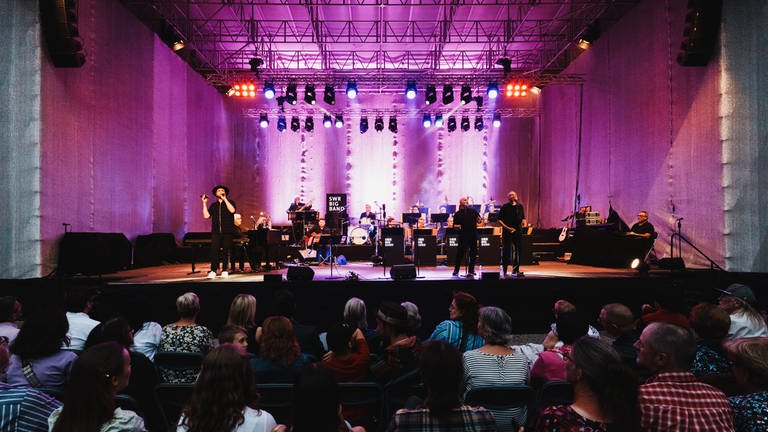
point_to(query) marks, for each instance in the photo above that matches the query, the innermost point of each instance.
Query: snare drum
(358, 235)
(365, 221)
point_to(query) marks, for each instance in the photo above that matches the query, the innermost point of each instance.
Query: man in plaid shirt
(673, 399)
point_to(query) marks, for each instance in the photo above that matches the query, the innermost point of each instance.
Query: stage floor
(364, 271)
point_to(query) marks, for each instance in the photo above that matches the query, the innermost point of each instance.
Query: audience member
(565, 307)
(185, 335)
(401, 351)
(668, 307)
(37, 358)
(673, 399)
(604, 392)
(497, 364)
(460, 330)
(225, 396)
(284, 304)
(89, 400)
(25, 409)
(146, 332)
(414, 317)
(236, 335)
(746, 321)
(750, 366)
(442, 372)
(348, 360)
(242, 313)
(618, 322)
(710, 324)
(356, 313)
(550, 365)
(280, 358)
(10, 312)
(79, 305)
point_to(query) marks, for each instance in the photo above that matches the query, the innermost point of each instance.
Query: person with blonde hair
(750, 367)
(746, 321)
(242, 313)
(280, 357)
(185, 335)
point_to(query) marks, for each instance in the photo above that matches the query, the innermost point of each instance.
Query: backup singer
(222, 216)
(512, 220)
(467, 218)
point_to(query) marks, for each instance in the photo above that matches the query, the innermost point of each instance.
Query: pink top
(550, 366)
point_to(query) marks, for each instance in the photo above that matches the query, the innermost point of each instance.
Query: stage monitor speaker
(154, 249)
(91, 254)
(671, 263)
(702, 25)
(402, 272)
(273, 277)
(489, 276)
(300, 273)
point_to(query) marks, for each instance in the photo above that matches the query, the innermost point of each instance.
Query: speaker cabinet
(154, 249)
(93, 253)
(300, 273)
(402, 272)
(702, 25)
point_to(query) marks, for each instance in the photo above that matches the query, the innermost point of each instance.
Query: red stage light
(516, 89)
(244, 89)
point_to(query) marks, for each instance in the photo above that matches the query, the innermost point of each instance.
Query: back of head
(563, 306)
(442, 371)
(495, 325)
(619, 314)
(114, 330)
(468, 307)
(188, 305)
(242, 311)
(229, 333)
(284, 303)
(89, 395)
(571, 326)
(41, 335)
(316, 400)
(224, 388)
(78, 298)
(676, 342)
(394, 316)
(710, 322)
(414, 317)
(339, 337)
(750, 355)
(278, 341)
(356, 313)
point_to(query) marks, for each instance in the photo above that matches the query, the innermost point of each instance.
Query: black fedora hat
(226, 189)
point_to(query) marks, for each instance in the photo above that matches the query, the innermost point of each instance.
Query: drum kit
(362, 233)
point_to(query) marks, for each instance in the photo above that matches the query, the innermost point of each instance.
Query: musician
(642, 228)
(240, 241)
(258, 247)
(320, 229)
(512, 221)
(222, 216)
(372, 220)
(468, 219)
(298, 222)
(368, 213)
(297, 205)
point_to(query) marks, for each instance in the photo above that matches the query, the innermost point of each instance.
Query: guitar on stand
(564, 232)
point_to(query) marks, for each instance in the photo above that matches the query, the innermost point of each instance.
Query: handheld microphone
(203, 196)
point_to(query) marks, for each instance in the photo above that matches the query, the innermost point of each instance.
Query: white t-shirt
(743, 327)
(255, 421)
(80, 326)
(147, 339)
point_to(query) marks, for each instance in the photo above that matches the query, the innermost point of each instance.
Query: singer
(222, 216)
(642, 228)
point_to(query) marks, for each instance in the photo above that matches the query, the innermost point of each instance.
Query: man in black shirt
(642, 228)
(222, 216)
(467, 218)
(512, 220)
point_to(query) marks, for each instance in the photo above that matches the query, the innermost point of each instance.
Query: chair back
(365, 395)
(277, 399)
(172, 398)
(127, 402)
(398, 390)
(174, 360)
(555, 393)
(501, 397)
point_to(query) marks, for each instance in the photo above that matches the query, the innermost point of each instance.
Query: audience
(619, 323)
(550, 365)
(79, 305)
(146, 333)
(460, 330)
(442, 372)
(10, 312)
(284, 304)
(673, 399)
(401, 351)
(565, 307)
(89, 400)
(356, 314)
(348, 360)
(185, 335)
(280, 358)
(710, 324)
(497, 364)
(38, 346)
(236, 335)
(242, 313)
(668, 307)
(604, 392)
(750, 366)
(414, 317)
(746, 321)
(225, 396)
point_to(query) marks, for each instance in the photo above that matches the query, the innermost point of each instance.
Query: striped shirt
(23, 409)
(677, 401)
(489, 370)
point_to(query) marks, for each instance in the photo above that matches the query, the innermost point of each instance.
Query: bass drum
(358, 236)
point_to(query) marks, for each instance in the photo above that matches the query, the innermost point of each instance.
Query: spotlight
(290, 94)
(309, 94)
(427, 122)
(583, 44)
(517, 90)
(479, 125)
(229, 91)
(242, 90)
(393, 124)
(410, 90)
(451, 124)
(438, 120)
(536, 89)
(269, 90)
(339, 121)
(506, 64)
(309, 124)
(430, 96)
(330, 95)
(263, 120)
(326, 120)
(281, 103)
(493, 90)
(255, 64)
(295, 124)
(640, 266)
(378, 124)
(465, 123)
(364, 125)
(496, 120)
(281, 123)
(178, 45)
(479, 101)
(351, 89)
(447, 94)
(466, 94)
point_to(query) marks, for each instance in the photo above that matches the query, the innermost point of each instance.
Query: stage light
(242, 90)
(309, 124)
(496, 120)
(447, 94)
(378, 124)
(479, 125)
(635, 264)
(506, 64)
(364, 125)
(466, 94)
(393, 124)
(269, 90)
(479, 101)
(229, 91)
(326, 121)
(281, 123)
(339, 121)
(451, 124)
(438, 120)
(536, 89)
(330, 95)
(263, 120)
(290, 94)
(430, 95)
(351, 90)
(178, 45)
(493, 90)
(517, 90)
(410, 90)
(255, 64)
(465, 123)
(427, 122)
(295, 124)
(584, 44)
(309, 94)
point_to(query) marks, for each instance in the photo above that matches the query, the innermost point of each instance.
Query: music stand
(439, 217)
(477, 207)
(330, 240)
(411, 218)
(493, 217)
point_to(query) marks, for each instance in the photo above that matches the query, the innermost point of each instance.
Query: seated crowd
(668, 369)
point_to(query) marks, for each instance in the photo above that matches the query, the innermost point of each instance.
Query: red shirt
(353, 367)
